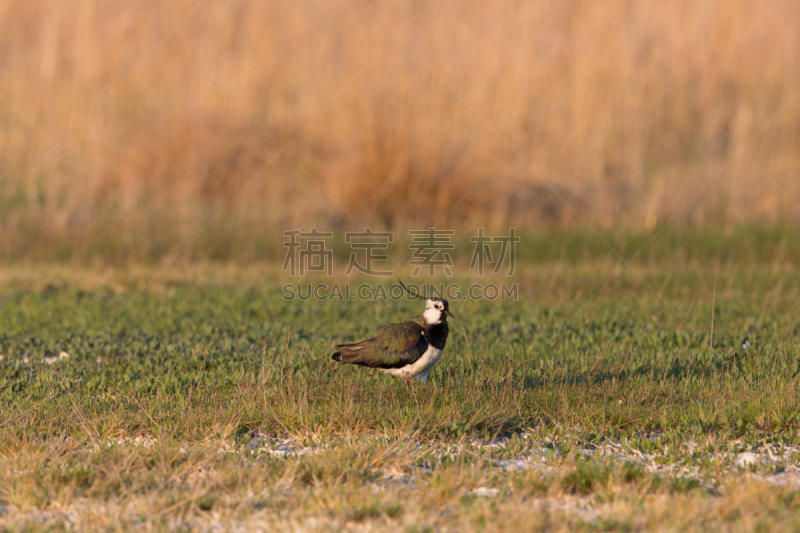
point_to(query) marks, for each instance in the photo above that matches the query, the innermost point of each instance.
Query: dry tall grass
(390, 131)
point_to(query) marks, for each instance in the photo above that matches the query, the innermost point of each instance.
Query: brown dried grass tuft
(387, 133)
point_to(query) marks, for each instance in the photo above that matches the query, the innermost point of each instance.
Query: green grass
(109, 240)
(576, 366)
(623, 363)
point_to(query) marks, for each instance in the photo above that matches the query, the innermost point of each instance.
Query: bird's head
(436, 309)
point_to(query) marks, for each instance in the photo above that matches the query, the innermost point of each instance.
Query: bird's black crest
(420, 297)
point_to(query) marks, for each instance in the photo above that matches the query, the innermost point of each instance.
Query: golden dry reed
(532, 113)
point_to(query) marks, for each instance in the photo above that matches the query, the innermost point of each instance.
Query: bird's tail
(349, 353)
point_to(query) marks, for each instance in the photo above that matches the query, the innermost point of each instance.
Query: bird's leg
(405, 380)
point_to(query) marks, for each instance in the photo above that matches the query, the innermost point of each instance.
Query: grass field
(154, 154)
(601, 400)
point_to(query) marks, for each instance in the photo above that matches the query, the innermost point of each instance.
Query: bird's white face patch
(433, 312)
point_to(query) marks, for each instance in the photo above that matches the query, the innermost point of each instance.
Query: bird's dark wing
(395, 346)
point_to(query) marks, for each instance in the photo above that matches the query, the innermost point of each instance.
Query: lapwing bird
(407, 350)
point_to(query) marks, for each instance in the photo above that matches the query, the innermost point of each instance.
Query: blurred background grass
(163, 139)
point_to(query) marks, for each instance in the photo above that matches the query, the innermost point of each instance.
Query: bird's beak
(448, 313)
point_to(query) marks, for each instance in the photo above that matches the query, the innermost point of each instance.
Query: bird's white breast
(421, 367)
